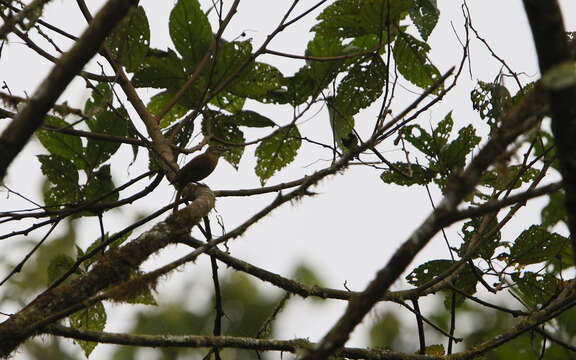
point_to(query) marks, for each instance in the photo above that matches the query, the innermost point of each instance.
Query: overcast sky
(349, 229)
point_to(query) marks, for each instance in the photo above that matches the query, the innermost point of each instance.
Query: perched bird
(200, 167)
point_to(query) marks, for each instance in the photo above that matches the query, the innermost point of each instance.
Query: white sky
(348, 230)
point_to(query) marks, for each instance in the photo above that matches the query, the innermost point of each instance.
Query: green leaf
(228, 101)
(92, 318)
(157, 104)
(471, 229)
(63, 177)
(100, 183)
(100, 100)
(376, 16)
(441, 133)
(143, 298)
(435, 350)
(190, 31)
(418, 174)
(386, 331)
(453, 156)
(230, 58)
(296, 89)
(58, 266)
(536, 245)
(130, 39)
(97, 243)
(277, 151)
(66, 146)
(536, 289)
(324, 72)
(252, 119)
(362, 85)
(465, 281)
(341, 122)
(421, 139)
(412, 61)
(491, 100)
(224, 127)
(257, 82)
(424, 14)
(110, 123)
(567, 320)
(554, 211)
(341, 20)
(162, 70)
(307, 275)
(503, 176)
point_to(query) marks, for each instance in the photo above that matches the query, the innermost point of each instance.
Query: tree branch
(32, 115)
(552, 48)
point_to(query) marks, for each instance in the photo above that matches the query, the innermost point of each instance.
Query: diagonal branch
(114, 267)
(199, 341)
(520, 119)
(32, 115)
(553, 51)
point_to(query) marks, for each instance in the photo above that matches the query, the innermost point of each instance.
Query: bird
(199, 167)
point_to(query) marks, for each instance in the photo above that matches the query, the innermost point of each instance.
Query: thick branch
(198, 341)
(32, 115)
(113, 268)
(517, 121)
(552, 47)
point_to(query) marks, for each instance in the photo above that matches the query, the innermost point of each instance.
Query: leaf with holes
(130, 39)
(424, 14)
(230, 59)
(362, 85)
(341, 19)
(63, 177)
(65, 146)
(164, 70)
(412, 61)
(157, 104)
(277, 151)
(536, 289)
(100, 183)
(93, 319)
(256, 82)
(223, 127)
(465, 281)
(411, 174)
(190, 31)
(536, 245)
(490, 238)
(113, 123)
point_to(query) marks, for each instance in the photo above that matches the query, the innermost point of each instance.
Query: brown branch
(113, 268)
(323, 58)
(565, 301)
(32, 45)
(17, 134)
(492, 206)
(30, 10)
(160, 144)
(262, 190)
(199, 341)
(63, 109)
(549, 35)
(519, 120)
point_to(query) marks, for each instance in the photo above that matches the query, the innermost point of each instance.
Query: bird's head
(217, 150)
